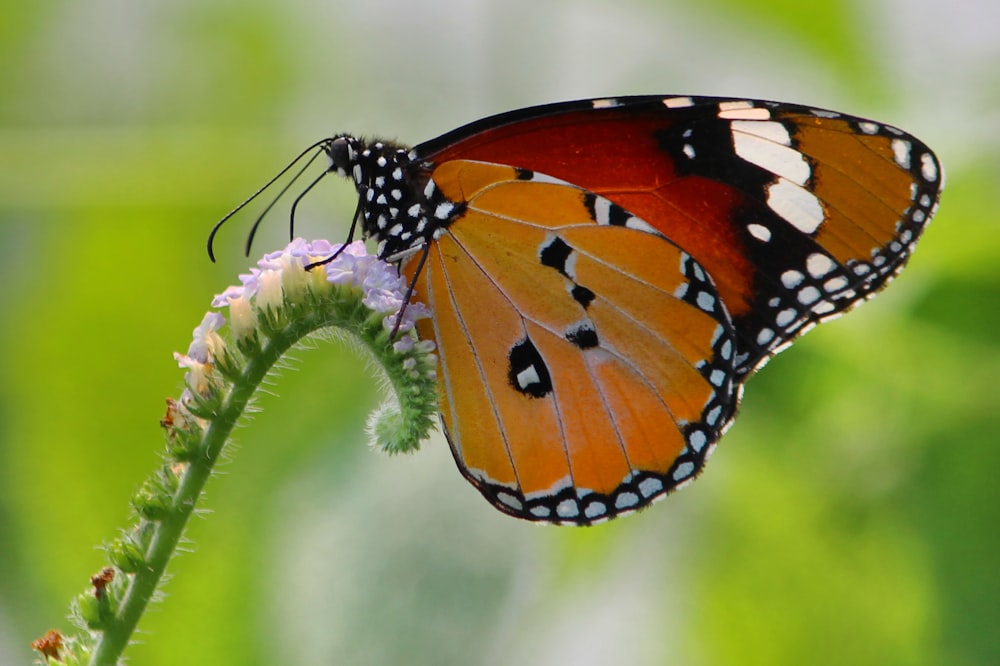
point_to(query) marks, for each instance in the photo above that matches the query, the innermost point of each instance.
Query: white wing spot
(823, 307)
(605, 103)
(706, 301)
(602, 210)
(568, 508)
(545, 178)
(901, 152)
(642, 225)
(570, 266)
(683, 471)
(835, 284)
(779, 159)
(868, 127)
(792, 279)
(527, 377)
(785, 317)
(808, 295)
(626, 500)
(796, 205)
(650, 486)
(765, 336)
(769, 131)
(760, 232)
(510, 500)
(678, 102)
(818, 264)
(928, 167)
(742, 110)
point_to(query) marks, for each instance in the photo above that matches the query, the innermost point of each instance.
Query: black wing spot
(528, 373)
(582, 295)
(555, 254)
(583, 336)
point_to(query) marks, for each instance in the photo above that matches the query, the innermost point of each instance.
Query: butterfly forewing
(796, 213)
(586, 362)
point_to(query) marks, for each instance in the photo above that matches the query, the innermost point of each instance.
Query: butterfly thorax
(399, 205)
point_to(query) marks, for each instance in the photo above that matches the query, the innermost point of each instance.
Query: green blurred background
(849, 517)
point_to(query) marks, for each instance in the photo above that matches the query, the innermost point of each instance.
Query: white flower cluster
(281, 276)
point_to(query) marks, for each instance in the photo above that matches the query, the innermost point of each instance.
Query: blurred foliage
(849, 517)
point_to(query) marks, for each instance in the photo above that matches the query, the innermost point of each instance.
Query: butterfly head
(399, 205)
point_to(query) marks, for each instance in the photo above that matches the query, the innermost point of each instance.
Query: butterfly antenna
(263, 214)
(218, 225)
(295, 204)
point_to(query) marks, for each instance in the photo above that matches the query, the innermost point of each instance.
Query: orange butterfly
(605, 274)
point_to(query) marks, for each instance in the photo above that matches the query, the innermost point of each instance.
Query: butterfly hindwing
(587, 362)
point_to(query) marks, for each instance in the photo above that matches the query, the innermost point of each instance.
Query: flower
(281, 275)
(243, 318)
(269, 292)
(207, 344)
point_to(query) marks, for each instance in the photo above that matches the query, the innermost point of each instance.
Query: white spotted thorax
(400, 206)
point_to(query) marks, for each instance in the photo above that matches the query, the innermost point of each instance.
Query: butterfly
(606, 274)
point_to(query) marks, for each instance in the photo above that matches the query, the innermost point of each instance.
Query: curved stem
(168, 531)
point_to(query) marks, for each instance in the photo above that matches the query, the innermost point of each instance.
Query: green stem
(167, 533)
(169, 530)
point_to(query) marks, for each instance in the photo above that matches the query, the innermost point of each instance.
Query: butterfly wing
(586, 362)
(797, 214)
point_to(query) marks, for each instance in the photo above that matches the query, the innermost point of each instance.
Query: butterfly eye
(342, 156)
